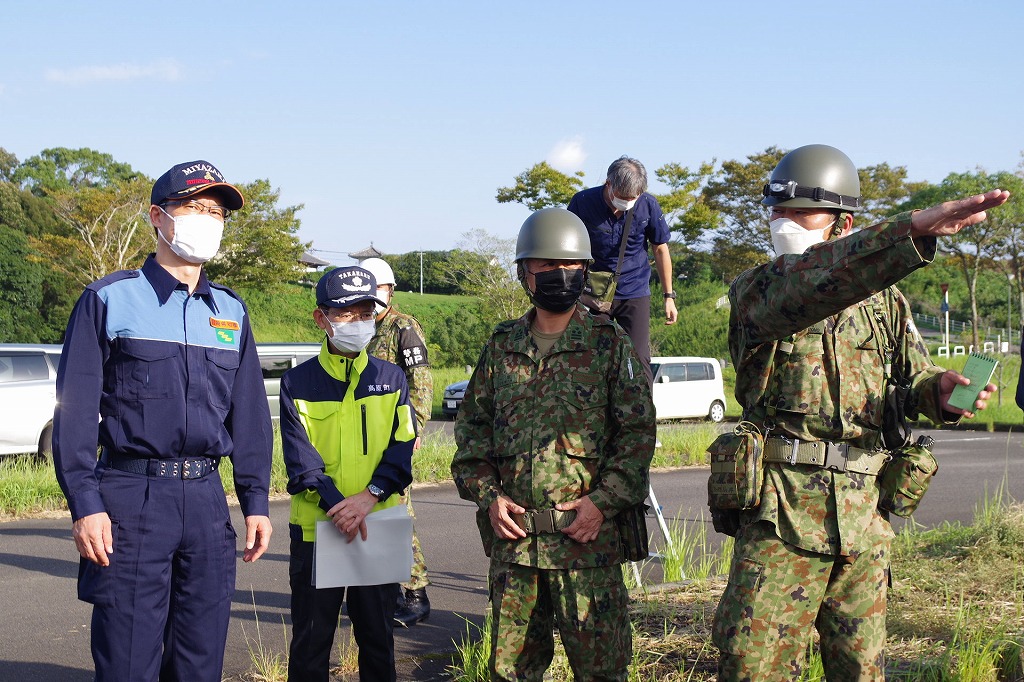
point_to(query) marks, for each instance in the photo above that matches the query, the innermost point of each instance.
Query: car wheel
(717, 412)
(45, 451)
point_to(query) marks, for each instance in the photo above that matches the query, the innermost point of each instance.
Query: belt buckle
(544, 522)
(193, 468)
(836, 455)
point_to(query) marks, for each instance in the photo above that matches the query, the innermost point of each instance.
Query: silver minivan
(275, 360)
(28, 395)
(688, 387)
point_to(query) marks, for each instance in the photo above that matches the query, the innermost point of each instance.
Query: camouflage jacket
(544, 430)
(808, 334)
(399, 339)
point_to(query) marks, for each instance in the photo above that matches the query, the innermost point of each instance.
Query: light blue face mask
(351, 337)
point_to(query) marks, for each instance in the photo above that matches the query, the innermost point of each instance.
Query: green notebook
(979, 369)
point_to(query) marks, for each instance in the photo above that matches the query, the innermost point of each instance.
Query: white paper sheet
(385, 557)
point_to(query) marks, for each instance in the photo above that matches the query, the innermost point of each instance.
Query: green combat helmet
(553, 233)
(815, 176)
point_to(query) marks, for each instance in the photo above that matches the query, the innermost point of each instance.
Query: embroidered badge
(224, 324)
(226, 336)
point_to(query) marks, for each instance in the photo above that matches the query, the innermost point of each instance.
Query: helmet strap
(837, 227)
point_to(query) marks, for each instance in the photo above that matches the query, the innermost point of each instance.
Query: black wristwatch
(377, 492)
(671, 295)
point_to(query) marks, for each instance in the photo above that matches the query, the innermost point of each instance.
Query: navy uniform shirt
(169, 375)
(605, 230)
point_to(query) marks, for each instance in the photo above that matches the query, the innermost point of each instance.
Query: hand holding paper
(383, 556)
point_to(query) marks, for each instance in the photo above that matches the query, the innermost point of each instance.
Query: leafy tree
(1010, 247)
(106, 228)
(685, 205)
(260, 247)
(979, 244)
(541, 186)
(21, 277)
(883, 188)
(407, 272)
(8, 162)
(61, 169)
(484, 267)
(734, 195)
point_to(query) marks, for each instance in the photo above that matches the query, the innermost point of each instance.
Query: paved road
(44, 631)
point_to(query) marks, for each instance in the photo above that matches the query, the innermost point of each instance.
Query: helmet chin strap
(838, 227)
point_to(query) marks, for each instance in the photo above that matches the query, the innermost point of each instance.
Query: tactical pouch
(632, 525)
(599, 291)
(906, 478)
(737, 468)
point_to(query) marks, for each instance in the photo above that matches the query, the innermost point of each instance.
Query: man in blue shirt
(167, 361)
(603, 210)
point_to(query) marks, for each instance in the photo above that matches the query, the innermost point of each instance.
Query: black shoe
(413, 608)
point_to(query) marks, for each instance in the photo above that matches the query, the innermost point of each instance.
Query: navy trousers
(315, 615)
(162, 606)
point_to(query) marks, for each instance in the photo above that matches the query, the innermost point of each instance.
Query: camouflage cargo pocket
(737, 468)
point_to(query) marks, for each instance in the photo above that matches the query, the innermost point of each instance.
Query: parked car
(688, 387)
(28, 395)
(275, 360)
(452, 400)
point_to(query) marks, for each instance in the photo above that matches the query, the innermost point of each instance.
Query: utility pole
(421, 273)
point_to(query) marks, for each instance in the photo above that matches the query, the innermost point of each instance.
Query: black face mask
(558, 290)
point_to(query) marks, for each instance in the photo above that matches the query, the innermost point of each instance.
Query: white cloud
(568, 155)
(165, 70)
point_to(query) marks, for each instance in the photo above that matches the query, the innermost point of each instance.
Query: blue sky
(395, 122)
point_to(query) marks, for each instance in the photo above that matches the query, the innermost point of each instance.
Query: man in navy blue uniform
(603, 210)
(167, 361)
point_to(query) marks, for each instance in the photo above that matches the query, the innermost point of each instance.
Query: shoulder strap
(625, 235)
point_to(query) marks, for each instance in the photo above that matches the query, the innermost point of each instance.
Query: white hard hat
(382, 272)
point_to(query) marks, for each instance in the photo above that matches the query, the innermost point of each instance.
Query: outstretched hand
(952, 216)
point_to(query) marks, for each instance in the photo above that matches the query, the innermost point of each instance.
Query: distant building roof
(312, 261)
(368, 252)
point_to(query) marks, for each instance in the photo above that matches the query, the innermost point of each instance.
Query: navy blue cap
(342, 287)
(189, 179)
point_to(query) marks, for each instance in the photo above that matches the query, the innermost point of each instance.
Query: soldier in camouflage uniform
(807, 334)
(555, 437)
(399, 339)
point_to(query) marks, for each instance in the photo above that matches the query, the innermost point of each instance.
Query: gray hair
(627, 177)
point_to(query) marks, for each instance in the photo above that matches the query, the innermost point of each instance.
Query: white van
(686, 387)
(28, 395)
(275, 360)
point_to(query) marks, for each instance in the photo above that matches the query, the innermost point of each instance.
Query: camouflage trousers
(589, 606)
(419, 565)
(778, 592)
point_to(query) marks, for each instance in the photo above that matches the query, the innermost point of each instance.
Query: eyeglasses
(193, 207)
(348, 316)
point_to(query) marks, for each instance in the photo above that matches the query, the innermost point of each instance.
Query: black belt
(181, 467)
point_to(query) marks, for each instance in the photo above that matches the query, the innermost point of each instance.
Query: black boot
(413, 608)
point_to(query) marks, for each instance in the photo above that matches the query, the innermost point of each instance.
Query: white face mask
(352, 337)
(789, 237)
(384, 294)
(196, 237)
(622, 204)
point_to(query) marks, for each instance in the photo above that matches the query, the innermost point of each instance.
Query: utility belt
(825, 454)
(178, 467)
(546, 521)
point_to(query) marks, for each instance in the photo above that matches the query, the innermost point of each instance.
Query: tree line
(70, 216)
(720, 229)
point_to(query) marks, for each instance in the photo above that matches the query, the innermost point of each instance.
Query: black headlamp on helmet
(789, 189)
